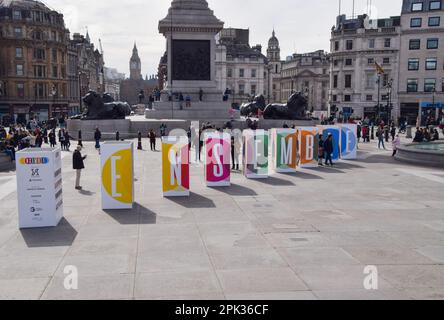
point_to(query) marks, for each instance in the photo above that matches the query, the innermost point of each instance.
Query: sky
(301, 25)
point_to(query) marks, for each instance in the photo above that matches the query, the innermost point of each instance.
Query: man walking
(78, 165)
(328, 149)
(97, 137)
(152, 137)
(380, 134)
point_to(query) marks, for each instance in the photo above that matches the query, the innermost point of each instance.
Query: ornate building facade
(240, 68)
(307, 73)
(33, 61)
(356, 46)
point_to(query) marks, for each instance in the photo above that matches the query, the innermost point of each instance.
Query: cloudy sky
(301, 25)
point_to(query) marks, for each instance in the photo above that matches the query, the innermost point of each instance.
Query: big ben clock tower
(135, 65)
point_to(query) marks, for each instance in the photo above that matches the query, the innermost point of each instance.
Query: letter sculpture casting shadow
(103, 107)
(294, 109)
(250, 109)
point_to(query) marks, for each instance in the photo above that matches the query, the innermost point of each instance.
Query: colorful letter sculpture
(308, 147)
(284, 150)
(117, 163)
(217, 148)
(349, 141)
(336, 133)
(255, 154)
(175, 167)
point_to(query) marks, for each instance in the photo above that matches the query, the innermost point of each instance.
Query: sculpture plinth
(190, 29)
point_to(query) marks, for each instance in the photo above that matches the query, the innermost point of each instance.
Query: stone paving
(307, 235)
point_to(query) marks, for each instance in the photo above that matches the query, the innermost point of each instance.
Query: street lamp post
(389, 105)
(378, 81)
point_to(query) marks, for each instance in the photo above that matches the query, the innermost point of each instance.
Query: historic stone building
(240, 68)
(307, 73)
(421, 72)
(113, 79)
(356, 46)
(33, 61)
(131, 88)
(274, 66)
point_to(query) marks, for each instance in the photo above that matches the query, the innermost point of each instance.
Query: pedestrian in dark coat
(78, 165)
(328, 149)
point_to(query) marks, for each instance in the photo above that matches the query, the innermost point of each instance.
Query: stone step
(5, 163)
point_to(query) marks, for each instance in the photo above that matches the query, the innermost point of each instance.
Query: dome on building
(25, 4)
(273, 42)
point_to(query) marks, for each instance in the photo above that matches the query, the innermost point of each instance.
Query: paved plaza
(307, 235)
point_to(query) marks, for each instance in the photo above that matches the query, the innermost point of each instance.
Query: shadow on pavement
(138, 215)
(62, 235)
(274, 181)
(303, 175)
(194, 201)
(236, 190)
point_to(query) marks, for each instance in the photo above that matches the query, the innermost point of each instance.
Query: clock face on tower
(133, 65)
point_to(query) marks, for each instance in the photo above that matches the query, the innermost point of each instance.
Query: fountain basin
(425, 154)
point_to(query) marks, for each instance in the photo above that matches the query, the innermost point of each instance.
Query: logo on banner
(117, 176)
(33, 161)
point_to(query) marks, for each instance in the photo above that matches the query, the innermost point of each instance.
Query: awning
(432, 105)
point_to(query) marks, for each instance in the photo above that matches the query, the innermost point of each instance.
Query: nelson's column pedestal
(190, 29)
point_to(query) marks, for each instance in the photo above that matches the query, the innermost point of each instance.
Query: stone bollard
(139, 141)
(80, 138)
(409, 132)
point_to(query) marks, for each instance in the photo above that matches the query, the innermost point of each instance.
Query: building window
(371, 61)
(335, 63)
(348, 80)
(253, 89)
(412, 85)
(20, 90)
(19, 53)
(349, 45)
(54, 71)
(40, 71)
(417, 6)
(229, 73)
(241, 73)
(387, 43)
(348, 62)
(415, 44)
(37, 35)
(370, 81)
(347, 98)
(429, 85)
(54, 55)
(369, 97)
(40, 90)
(229, 57)
(335, 98)
(416, 22)
(431, 63)
(241, 89)
(385, 97)
(371, 43)
(19, 70)
(434, 21)
(253, 73)
(39, 54)
(413, 64)
(18, 32)
(335, 81)
(442, 86)
(336, 45)
(386, 61)
(17, 15)
(435, 5)
(432, 43)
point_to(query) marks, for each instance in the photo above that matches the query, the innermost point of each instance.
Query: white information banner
(117, 173)
(39, 187)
